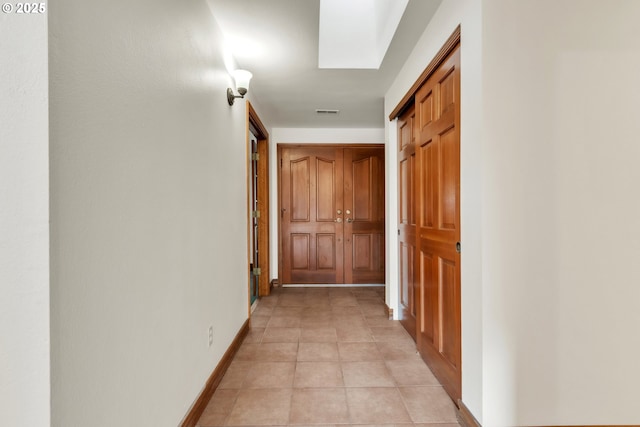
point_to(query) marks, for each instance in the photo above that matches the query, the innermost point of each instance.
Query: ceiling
(277, 40)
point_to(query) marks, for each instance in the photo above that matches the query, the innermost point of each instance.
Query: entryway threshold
(332, 285)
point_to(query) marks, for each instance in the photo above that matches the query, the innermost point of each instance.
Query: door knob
(338, 220)
(348, 212)
(349, 220)
(339, 211)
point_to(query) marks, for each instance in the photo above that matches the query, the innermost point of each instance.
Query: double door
(332, 214)
(429, 222)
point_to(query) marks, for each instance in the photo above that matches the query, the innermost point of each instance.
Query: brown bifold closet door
(407, 266)
(437, 105)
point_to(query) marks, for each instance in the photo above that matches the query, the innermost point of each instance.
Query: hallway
(327, 356)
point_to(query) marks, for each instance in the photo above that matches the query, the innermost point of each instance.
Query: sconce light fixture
(242, 78)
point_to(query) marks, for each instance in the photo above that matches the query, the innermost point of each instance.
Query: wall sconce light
(242, 78)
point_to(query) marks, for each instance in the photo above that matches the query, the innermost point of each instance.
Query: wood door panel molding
(333, 195)
(325, 194)
(300, 195)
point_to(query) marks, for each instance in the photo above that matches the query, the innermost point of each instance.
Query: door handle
(339, 220)
(349, 220)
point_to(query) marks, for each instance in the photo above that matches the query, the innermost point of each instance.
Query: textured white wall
(148, 210)
(24, 221)
(450, 14)
(562, 217)
(305, 136)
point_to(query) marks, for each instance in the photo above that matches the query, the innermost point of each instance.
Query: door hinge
(255, 156)
(255, 214)
(257, 271)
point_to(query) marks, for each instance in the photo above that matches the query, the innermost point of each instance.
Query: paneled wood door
(407, 221)
(332, 214)
(364, 215)
(437, 105)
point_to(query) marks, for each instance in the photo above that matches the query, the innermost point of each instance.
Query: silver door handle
(349, 220)
(338, 220)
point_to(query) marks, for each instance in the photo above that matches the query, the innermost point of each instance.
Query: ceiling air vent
(327, 112)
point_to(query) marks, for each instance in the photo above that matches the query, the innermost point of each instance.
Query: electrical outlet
(210, 335)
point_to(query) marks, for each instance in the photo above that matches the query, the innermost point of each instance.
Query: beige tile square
(235, 375)
(317, 302)
(317, 312)
(292, 300)
(358, 351)
(261, 407)
(218, 408)
(281, 335)
(382, 322)
(349, 322)
(411, 372)
(247, 351)
(254, 335)
(319, 406)
(343, 301)
(318, 335)
(346, 312)
(284, 322)
(395, 335)
(263, 310)
(318, 374)
(354, 334)
(366, 374)
(372, 309)
(376, 406)
(259, 321)
(316, 323)
(270, 301)
(367, 294)
(318, 352)
(429, 404)
(313, 317)
(276, 352)
(398, 351)
(288, 311)
(270, 375)
(435, 425)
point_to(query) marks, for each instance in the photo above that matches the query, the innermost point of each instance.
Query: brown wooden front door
(437, 106)
(332, 214)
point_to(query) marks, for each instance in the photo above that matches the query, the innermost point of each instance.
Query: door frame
(279, 148)
(255, 126)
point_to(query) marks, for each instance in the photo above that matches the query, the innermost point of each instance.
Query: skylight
(356, 33)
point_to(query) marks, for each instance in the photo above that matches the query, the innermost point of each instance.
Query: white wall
(450, 14)
(305, 136)
(148, 210)
(561, 237)
(24, 222)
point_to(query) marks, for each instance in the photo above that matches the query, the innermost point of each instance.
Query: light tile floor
(327, 356)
